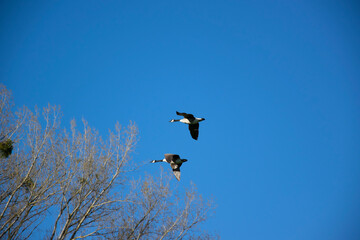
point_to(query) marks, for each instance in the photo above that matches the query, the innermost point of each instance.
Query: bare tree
(76, 185)
(155, 211)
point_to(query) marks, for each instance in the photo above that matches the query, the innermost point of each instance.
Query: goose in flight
(175, 163)
(192, 121)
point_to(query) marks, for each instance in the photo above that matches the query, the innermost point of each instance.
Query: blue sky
(277, 81)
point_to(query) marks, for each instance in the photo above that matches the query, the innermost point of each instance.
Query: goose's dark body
(192, 121)
(175, 162)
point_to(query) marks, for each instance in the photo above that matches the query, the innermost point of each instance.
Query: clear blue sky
(277, 81)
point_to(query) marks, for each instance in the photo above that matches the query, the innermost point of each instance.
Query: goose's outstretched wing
(176, 170)
(186, 115)
(194, 130)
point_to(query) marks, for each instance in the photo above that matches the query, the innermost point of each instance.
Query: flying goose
(192, 121)
(175, 163)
